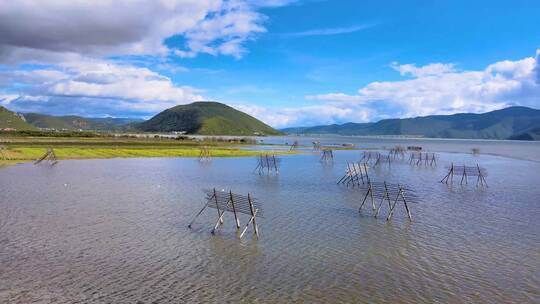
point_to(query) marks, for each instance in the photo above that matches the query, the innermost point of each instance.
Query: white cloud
(427, 70)
(235, 23)
(134, 89)
(47, 31)
(6, 99)
(435, 89)
(441, 89)
(306, 116)
(336, 97)
(75, 41)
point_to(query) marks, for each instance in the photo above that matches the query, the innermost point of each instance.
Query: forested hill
(207, 118)
(509, 123)
(72, 122)
(13, 121)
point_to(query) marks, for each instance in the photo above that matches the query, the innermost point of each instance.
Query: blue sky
(288, 63)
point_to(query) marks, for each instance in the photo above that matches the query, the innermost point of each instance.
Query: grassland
(16, 149)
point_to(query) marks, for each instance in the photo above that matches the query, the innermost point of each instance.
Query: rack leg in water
(234, 211)
(196, 216)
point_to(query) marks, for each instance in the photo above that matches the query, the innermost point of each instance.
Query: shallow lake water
(115, 231)
(528, 150)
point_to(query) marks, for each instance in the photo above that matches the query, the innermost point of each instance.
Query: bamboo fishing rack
(465, 172)
(50, 156)
(355, 175)
(267, 163)
(390, 193)
(327, 155)
(233, 203)
(204, 154)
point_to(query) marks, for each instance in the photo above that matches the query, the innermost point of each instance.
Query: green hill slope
(512, 122)
(207, 118)
(72, 122)
(11, 120)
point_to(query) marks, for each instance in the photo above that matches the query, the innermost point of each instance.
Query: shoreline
(31, 154)
(410, 137)
(16, 150)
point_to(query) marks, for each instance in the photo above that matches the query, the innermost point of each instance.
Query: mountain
(207, 118)
(11, 120)
(509, 123)
(72, 122)
(532, 134)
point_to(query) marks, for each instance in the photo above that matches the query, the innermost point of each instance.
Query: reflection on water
(115, 231)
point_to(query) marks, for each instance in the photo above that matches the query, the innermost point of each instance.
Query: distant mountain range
(205, 117)
(213, 118)
(72, 122)
(510, 123)
(35, 121)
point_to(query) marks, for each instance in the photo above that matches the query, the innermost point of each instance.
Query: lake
(529, 150)
(115, 231)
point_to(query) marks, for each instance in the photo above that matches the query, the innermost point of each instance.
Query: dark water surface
(115, 231)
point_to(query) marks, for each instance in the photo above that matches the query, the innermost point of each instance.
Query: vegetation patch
(20, 149)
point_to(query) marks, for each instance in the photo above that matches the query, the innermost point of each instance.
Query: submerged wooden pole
(387, 195)
(365, 197)
(405, 203)
(254, 214)
(220, 214)
(247, 226)
(252, 219)
(350, 176)
(39, 160)
(234, 210)
(355, 176)
(451, 172)
(392, 208)
(464, 175)
(365, 170)
(192, 221)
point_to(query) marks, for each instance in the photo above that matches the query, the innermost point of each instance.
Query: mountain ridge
(75, 122)
(214, 118)
(514, 122)
(12, 121)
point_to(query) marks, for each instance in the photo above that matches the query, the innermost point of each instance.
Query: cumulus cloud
(306, 116)
(437, 88)
(441, 89)
(235, 23)
(35, 30)
(74, 43)
(121, 89)
(434, 89)
(537, 67)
